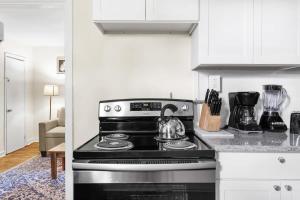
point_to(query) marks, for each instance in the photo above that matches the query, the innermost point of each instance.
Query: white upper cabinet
(120, 10)
(224, 34)
(172, 10)
(277, 31)
(146, 16)
(247, 32)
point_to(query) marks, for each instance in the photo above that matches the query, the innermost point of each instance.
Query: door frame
(69, 97)
(21, 58)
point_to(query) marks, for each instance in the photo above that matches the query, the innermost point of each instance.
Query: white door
(277, 31)
(119, 10)
(249, 190)
(172, 10)
(291, 190)
(15, 102)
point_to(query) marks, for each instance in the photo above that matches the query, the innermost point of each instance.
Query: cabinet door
(120, 10)
(248, 190)
(277, 31)
(290, 190)
(225, 33)
(172, 10)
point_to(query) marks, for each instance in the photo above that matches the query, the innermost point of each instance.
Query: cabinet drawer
(258, 166)
(248, 190)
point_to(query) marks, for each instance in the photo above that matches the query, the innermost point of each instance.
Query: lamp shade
(51, 90)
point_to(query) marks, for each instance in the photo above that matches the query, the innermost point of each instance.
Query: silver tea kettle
(170, 128)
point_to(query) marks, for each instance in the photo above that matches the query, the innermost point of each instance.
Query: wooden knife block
(208, 122)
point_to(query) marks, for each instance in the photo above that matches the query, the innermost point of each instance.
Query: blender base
(272, 122)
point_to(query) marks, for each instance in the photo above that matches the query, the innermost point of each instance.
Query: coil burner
(114, 145)
(179, 145)
(116, 136)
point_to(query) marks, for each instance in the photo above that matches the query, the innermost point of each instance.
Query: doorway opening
(31, 62)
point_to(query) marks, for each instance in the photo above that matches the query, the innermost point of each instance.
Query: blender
(273, 98)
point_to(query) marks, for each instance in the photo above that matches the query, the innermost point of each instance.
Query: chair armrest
(44, 127)
(47, 125)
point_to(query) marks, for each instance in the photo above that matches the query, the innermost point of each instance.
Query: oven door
(144, 182)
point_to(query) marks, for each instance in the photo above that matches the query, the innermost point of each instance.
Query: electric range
(126, 161)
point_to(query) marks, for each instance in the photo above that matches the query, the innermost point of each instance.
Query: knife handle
(219, 106)
(206, 95)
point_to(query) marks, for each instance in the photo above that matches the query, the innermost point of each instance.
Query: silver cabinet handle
(288, 187)
(281, 160)
(277, 188)
(9, 110)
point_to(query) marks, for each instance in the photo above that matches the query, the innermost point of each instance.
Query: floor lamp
(51, 90)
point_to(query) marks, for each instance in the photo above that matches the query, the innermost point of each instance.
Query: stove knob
(184, 107)
(107, 108)
(117, 108)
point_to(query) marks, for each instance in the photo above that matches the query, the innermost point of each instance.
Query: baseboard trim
(32, 140)
(2, 154)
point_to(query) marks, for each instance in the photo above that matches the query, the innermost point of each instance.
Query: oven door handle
(145, 167)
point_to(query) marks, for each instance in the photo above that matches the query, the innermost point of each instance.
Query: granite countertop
(260, 142)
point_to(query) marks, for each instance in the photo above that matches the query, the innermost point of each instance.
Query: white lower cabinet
(258, 190)
(258, 176)
(248, 190)
(290, 190)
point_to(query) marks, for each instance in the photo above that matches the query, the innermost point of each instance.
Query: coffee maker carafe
(273, 97)
(242, 112)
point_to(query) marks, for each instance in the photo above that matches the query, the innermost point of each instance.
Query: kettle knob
(184, 107)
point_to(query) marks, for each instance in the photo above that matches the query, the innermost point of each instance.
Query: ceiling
(33, 22)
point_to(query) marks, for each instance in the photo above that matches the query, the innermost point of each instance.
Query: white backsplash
(252, 80)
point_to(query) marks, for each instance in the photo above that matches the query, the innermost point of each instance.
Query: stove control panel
(144, 107)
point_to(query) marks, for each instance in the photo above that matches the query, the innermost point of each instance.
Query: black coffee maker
(242, 112)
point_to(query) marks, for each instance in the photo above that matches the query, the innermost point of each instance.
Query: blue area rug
(32, 180)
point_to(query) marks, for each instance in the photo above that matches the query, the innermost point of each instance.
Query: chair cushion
(61, 117)
(56, 132)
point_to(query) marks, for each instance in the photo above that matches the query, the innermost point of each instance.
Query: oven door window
(197, 191)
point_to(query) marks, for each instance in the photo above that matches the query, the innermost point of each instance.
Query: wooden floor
(17, 157)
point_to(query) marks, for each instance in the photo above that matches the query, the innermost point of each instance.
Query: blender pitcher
(273, 98)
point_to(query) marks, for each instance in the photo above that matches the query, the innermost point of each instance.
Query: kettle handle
(172, 107)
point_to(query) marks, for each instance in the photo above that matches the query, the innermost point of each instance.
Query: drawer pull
(281, 160)
(288, 187)
(277, 188)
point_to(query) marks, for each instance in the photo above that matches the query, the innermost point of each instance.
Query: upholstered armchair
(52, 132)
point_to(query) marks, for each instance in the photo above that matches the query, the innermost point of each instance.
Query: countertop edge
(230, 148)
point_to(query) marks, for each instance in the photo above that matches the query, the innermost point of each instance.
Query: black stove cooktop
(144, 146)
(138, 118)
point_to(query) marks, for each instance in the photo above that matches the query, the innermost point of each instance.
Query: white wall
(252, 80)
(128, 66)
(122, 66)
(44, 61)
(25, 51)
